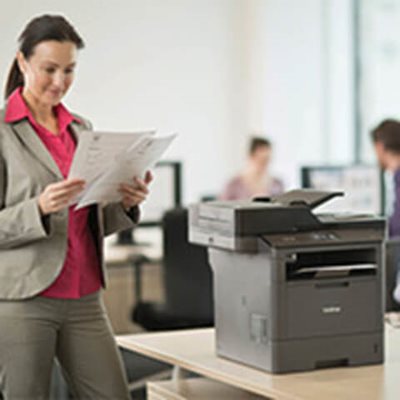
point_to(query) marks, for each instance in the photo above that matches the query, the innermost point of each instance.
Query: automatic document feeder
(293, 290)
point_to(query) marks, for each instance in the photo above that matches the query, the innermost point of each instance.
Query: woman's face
(49, 71)
(261, 157)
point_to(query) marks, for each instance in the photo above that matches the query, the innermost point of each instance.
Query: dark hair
(388, 133)
(40, 29)
(257, 142)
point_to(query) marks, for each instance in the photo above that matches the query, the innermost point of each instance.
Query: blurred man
(386, 139)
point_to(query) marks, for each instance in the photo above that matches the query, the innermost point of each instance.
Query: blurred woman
(255, 179)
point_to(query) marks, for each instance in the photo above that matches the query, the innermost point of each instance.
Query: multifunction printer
(293, 290)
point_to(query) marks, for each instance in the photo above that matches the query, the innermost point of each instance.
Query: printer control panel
(329, 237)
(306, 237)
(324, 236)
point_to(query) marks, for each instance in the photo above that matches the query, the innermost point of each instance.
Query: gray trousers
(77, 332)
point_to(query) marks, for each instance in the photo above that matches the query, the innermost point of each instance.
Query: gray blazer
(33, 248)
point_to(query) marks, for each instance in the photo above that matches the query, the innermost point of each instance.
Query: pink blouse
(236, 189)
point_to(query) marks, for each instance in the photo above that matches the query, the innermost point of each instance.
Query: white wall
(338, 53)
(380, 57)
(299, 80)
(212, 70)
(167, 64)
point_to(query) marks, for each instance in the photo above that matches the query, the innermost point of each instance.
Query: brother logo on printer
(331, 310)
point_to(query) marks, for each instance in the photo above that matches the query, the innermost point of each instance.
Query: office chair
(187, 280)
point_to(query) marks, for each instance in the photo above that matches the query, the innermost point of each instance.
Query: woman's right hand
(57, 196)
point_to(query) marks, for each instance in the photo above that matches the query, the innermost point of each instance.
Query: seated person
(386, 139)
(254, 180)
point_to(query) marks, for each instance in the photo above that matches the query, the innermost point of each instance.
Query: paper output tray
(329, 271)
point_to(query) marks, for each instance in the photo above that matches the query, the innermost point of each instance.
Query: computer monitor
(361, 184)
(165, 194)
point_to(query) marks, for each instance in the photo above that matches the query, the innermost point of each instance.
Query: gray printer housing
(293, 291)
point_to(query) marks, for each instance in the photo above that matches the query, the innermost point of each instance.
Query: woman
(254, 180)
(51, 268)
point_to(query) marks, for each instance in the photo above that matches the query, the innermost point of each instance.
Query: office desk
(151, 238)
(135, 256)
(131, 278)
(196, 389)
(194, 350)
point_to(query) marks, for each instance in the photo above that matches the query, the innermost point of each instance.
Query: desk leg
(137, 271)
(178, 374)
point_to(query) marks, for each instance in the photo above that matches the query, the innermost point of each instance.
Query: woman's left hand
(135, 193)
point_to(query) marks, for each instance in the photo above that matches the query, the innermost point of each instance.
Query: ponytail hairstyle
(40, 29)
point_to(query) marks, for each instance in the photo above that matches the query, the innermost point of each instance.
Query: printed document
(105, 160)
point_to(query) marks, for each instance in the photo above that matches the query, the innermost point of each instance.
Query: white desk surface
(194, 350)
(115, 254)
(196, 389)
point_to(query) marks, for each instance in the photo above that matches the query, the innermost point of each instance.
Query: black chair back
(187, 274)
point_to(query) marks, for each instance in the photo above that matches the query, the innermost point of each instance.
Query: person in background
(51, 264)
(254, 180)
(386, 140)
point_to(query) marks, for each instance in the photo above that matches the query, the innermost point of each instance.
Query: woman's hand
(57, 196)
(135, 193)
